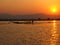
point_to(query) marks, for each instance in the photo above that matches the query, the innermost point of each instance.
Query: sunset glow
(29, 6)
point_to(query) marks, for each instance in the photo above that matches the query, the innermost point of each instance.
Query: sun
(54, 9)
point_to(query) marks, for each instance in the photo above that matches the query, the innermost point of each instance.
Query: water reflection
(54, 35)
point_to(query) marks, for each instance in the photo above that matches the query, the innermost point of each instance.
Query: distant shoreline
(27, 19)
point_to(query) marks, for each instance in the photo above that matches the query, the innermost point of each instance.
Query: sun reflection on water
(54, 35)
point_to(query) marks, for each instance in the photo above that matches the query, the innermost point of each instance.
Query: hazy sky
(29, 6)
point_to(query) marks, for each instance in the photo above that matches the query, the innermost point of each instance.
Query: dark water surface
(39, 33)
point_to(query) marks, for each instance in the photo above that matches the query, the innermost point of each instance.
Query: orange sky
(29, 6)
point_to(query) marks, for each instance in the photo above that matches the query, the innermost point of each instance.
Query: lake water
(39, 33)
